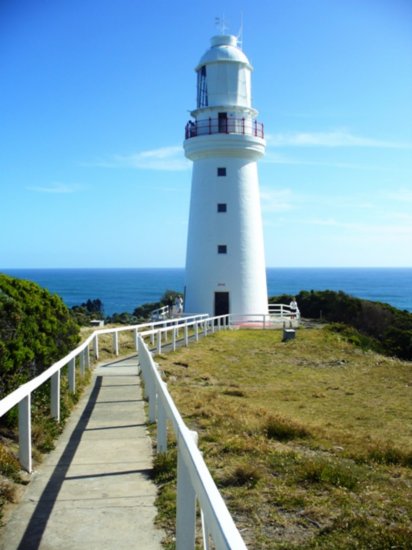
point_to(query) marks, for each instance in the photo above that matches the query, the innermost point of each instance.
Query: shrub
(284, 429)
(243, 475)
(325, 471)
(36, 329)
(388, 328)
(386, 453)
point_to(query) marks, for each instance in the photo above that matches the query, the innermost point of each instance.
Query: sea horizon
(124, 289)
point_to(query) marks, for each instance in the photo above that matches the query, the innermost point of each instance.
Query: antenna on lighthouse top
(240, 33)
(220, 24)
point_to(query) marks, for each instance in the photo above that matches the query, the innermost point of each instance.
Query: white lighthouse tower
(225, 263)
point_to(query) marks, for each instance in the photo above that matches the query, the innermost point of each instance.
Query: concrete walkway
(94, 490)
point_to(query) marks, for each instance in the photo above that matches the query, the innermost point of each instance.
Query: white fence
(194, 483)
(78, 357)
(283, 311)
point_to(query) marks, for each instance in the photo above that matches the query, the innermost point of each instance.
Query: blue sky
(95, 95)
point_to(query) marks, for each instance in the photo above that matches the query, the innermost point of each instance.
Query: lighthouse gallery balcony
(211, 126)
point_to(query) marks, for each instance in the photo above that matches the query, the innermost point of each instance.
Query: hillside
(309, 441)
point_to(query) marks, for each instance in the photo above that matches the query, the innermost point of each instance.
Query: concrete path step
(94, 490)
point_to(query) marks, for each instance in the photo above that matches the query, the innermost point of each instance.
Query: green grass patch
(299, 438)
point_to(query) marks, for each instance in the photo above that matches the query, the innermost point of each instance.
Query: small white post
(81, 359)
(159, 341)
(116, 343)
(25, 433)
(185, 507)
(196, 331)
(152, 397)
(143, 366)
(152, 336)
(205, 327)
(55, 396)
(71, 374)
(135, 339)
(186, 335)
(165, 332)
(205, 532)
(161, 427)
(87, 356)
(174, 339)
(96, 346)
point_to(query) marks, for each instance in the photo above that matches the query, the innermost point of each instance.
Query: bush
(168, 299)
(389, 329)
(328, 472)
(36, 329)
(284, 429)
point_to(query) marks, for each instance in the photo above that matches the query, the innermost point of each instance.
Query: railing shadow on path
(32, 536)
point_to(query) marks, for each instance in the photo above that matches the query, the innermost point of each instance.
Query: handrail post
(161, 427)
(25, 433)
(185, 507)
(55, 396)
(151, 386)
(205, 327)
(152, 336)
(159, 341)
(197, 331)
(186, 335)
(87, 356)
(81, 360)
(71, 374)
(116, 343)
(96, 346)
(135, 339)
(174, 339)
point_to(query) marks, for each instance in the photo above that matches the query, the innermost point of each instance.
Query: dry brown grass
(309, 440)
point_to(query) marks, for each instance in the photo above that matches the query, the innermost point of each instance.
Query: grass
(309, 441)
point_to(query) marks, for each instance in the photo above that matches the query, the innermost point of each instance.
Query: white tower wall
(225, 252)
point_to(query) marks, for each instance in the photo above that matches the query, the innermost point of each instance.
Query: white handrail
(22, 395)
(194, 479)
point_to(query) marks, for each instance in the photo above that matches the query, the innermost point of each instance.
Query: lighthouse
(225, 261)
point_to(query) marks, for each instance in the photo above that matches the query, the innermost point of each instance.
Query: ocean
(124, 289)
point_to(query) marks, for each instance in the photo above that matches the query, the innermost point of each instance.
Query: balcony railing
(224, 126)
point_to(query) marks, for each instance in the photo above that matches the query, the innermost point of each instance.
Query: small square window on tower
(222, 207)
(221, 249)
(221, 171)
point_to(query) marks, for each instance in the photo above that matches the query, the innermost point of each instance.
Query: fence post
(186, 335)
(152, 336)
(152, 395)
(71, 374)
(135, 339)
(87, 356)
(25, 433)
(159, 341)
(185, 507)
(196, 331)
(116, 343)
(205, 327)
(96, 346)
(174, 339)
(143, 367)
(161, 427)
(81, 360)
(55, 396)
